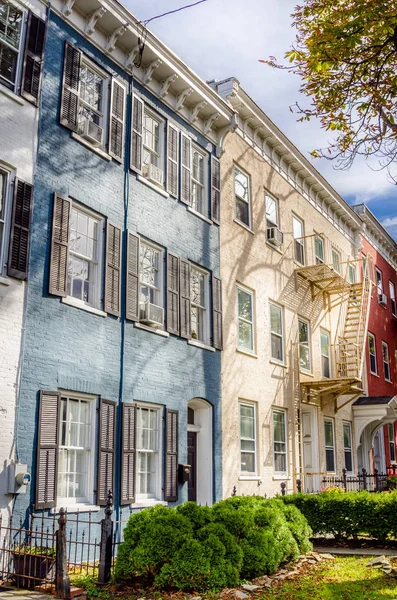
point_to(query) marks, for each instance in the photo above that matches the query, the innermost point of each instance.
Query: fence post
(299, 485)
(283, 485)
(106, 551)
(376, 480)
(62, 581)
(364, 472)
(344, 479)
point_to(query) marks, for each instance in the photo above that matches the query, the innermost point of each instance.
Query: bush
(197, 548)
(348, 514)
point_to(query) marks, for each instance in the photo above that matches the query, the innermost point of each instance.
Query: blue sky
(225, 38)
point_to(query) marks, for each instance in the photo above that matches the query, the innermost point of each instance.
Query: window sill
(153, 186)
(249, 478)
(246, 352)
(148, 503)
(374, 374)
(244, 226)
(74, 508)
(278, 364)
(6, 92)
(276, 248)
(306, 373)
(78, 138)
(200, 345)
(281, 477)
(199, 215)
(4, 281)
(77, 304)
(155, 331)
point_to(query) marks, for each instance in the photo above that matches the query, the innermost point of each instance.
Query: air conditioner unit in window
(152, 315)
(382, 299)
(275, 236)
(90, 131)
(154, 174)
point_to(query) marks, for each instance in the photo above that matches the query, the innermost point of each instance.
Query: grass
(345, 578)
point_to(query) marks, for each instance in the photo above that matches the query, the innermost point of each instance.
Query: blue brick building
(120, 383)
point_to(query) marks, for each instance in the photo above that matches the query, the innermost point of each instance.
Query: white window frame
(336, 259)
(100, 263)
(252, 323)
(392, 442)
(158, 496)
(255, 440)
(385, 346)
(318, 259)
(238, 197)
(392, 292)
(352, 274)
(103, 115)
(371, 335)
(308, 343)
(161, 125)
(325, 332)
(270, 223)
(160, 289)
(91, 475)
(379, 282)
(6, 223)
(285, 453)
(194, 181)
(20, 54)
(299, 240)
(348, 448)
(273, 333)
(206, 308)
(330, 420)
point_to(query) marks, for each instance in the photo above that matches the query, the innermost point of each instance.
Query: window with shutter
(217, 334)
(20, 230)
(113, 270)
(70, 87)
(215, 190)
(171, 456)
(116, 122)
(151, 302)
(172, 160)
(132, 283)
(11, 25)
(186, 151)
(107, 433)
(148, 457)
(47, 449)
(199, 305)
(33, 60)
(137, 134)
(172, 293)
(185, 304)
(199, 178)
(128, 454)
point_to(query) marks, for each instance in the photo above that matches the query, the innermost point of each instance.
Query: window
(325, 354)
(11, 22)
(352, 274)
(298, 233)
(199, 195)
(386, 361)
(148, 464)
(336, 260)
(152, 127)
(392, 443)
(92, 103)
(85, 252)
(372, 354)
(319, 250)
(279, 441)
(379, 284)
(347, 445)
(151, 281)
(271, 211)
(392, 291)
(4, 216)
(75, 466)
(248, 438)
(245, 319)
(199, 304)
(329, 445)
(242, 192)
(277, 332)
(304, 345)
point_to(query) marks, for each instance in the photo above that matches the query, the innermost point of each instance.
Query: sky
(226, 38)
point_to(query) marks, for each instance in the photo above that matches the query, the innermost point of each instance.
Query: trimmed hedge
(349, 514)
(201, 548)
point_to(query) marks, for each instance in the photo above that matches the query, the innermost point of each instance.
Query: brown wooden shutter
(217, 334)
(47, 449)
(186, 144)
(59, 246)
(215, 190)
(113, 270)
(137, 134)
(128, 454)
(172, 160)
(70, 87)
(186, 317)
(132, 284)
(107, 435)
(172, 293)
(171, 456)
(33, 59)
(116, 121)
(18, 257)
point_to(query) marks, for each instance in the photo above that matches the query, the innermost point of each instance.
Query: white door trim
(203, 428)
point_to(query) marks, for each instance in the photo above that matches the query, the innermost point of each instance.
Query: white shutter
(172, 160)
(186, 154)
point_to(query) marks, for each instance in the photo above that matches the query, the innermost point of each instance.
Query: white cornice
(377, 236)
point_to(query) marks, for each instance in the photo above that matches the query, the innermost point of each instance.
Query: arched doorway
(199, 449)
